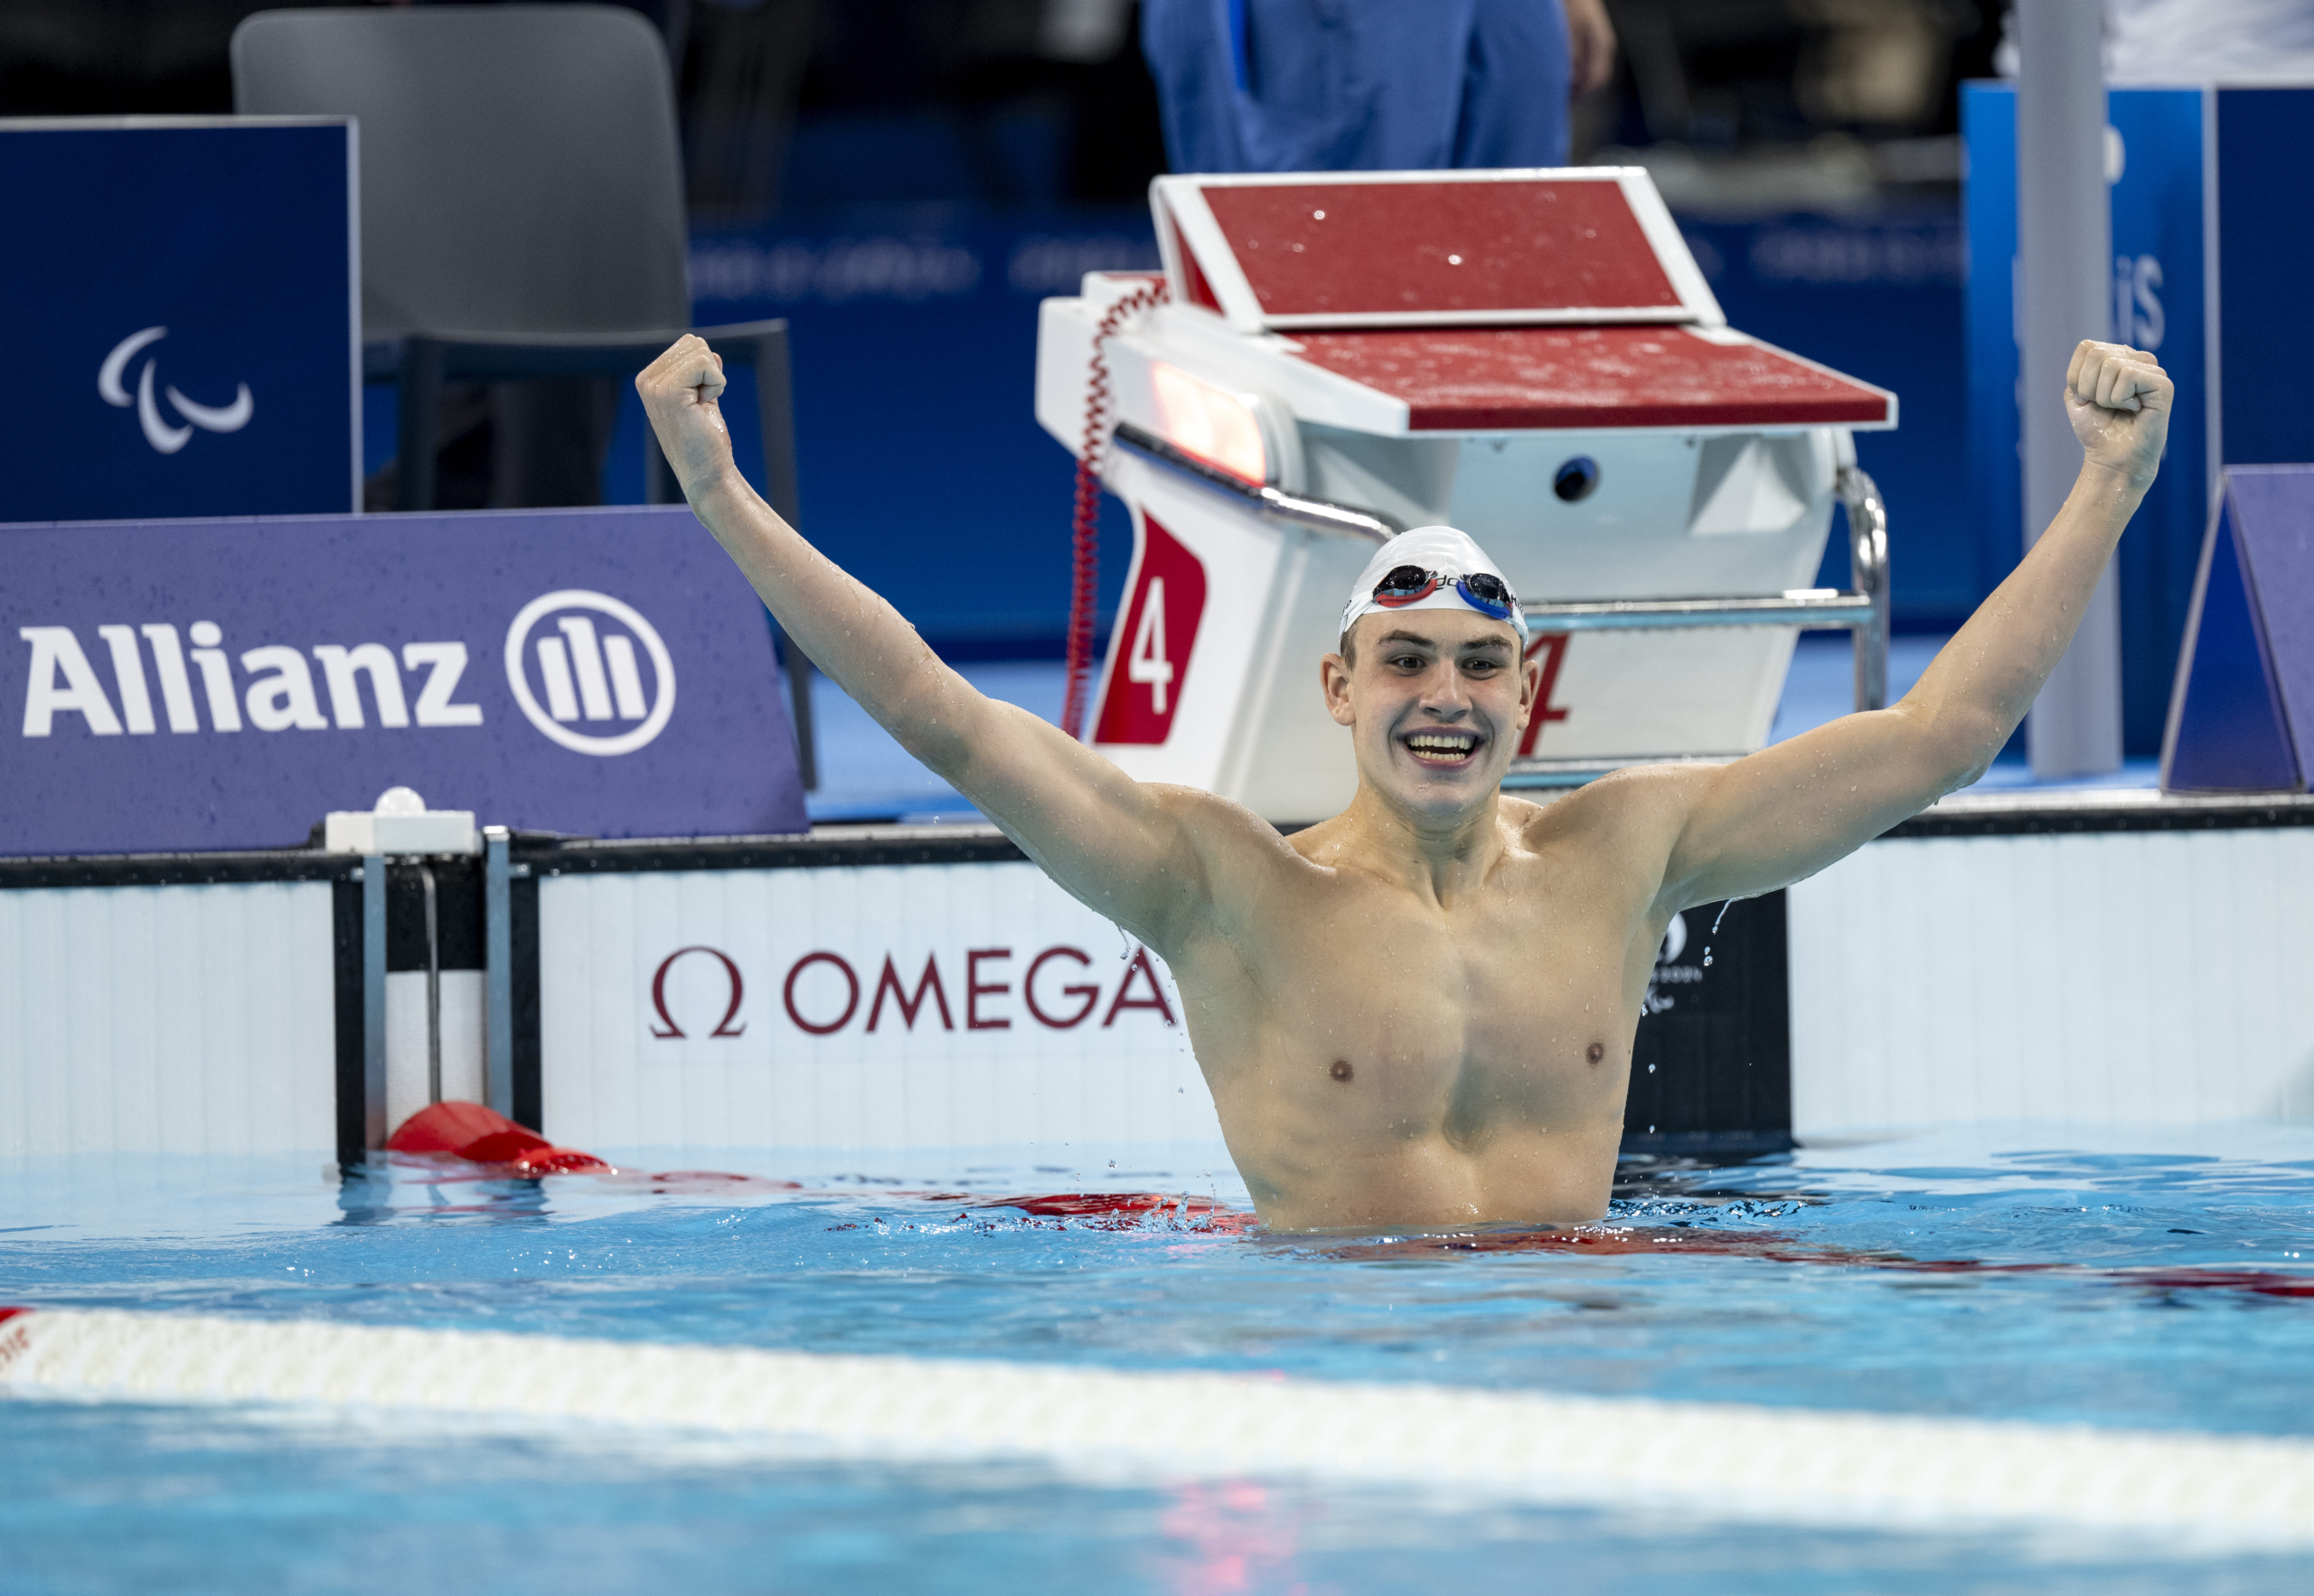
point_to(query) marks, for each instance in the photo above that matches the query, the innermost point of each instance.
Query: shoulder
(1222, 832)
(1635, 800)
(1624, 826)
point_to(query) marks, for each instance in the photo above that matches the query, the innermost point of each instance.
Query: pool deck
(866, 776)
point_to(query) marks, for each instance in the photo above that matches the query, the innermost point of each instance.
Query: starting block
(1532, 356)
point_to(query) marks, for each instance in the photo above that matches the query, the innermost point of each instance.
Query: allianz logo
(586, 670)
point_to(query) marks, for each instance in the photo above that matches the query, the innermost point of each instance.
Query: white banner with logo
(192, 685)
(866, 1005)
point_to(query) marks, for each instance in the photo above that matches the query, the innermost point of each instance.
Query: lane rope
(2188, 1491)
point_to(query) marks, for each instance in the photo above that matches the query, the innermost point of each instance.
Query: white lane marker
(2187, 1491)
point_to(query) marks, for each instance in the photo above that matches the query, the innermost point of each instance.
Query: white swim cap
(1448, 555)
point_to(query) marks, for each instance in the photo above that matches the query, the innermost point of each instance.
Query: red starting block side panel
(1396, 248)
(1480, 379)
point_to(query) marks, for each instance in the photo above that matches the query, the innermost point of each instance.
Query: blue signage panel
(180, 304)
(226, 683)
(2159, 303)
(2265, 228)
(2242, 718)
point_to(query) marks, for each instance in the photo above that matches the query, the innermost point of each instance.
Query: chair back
(520, 167)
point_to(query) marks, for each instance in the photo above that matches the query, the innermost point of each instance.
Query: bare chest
(1372, 1016)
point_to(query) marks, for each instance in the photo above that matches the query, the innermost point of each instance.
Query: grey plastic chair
(521, 212)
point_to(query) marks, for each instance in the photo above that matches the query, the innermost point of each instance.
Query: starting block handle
(1868, 543)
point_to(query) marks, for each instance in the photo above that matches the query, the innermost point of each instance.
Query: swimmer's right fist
(679, 389)
(2119, 400)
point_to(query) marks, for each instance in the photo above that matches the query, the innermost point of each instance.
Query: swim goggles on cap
(1409, 584)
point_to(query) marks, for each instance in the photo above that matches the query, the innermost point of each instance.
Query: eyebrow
(1490, 644)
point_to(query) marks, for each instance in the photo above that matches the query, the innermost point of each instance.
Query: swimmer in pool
(1419, 1013)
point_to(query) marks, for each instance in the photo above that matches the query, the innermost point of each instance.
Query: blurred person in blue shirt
(1371, 85)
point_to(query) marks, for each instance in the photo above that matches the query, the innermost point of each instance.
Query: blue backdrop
(923, 467)
(178, 312)
(2160, 302)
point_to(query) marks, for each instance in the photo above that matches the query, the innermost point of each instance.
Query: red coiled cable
(1086, 553)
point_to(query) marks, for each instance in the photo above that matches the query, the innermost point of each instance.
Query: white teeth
(1448, 745)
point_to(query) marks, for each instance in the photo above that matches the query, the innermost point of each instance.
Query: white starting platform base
(2125, 959)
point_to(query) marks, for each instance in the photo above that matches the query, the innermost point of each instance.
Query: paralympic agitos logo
(166, 438)
(586, 670)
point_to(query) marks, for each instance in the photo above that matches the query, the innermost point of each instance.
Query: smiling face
(1435, 703)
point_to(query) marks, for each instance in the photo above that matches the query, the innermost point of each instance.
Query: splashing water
(1707, 936)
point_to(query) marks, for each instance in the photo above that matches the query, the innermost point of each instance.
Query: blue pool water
(2145, 1280)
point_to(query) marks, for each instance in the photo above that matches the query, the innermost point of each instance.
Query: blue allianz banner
(180, 302)
(215, 684)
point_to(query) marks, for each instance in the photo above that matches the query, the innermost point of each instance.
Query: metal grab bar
(1863, 610)
(1867, 547)
(1808, 606)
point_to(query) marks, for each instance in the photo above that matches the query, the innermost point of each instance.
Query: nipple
(1341, 1070)
(1595, 1052)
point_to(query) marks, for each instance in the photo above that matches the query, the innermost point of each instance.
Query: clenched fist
(679, 389)
(2119, 400)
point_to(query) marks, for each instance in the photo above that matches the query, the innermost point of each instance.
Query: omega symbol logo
(667, 1030)
(588, 668)
(163, 437)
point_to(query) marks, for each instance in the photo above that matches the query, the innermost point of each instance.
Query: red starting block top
(1413, 248)
(1481, 379)
(1484, 301)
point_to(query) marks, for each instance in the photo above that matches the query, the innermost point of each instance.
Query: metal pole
(1868, 547)
(433, 989)
(373, 1003)
(2064, 247)
(775, 408)
(498, 955)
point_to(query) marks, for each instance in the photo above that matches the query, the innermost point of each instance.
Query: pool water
(2149, 1280)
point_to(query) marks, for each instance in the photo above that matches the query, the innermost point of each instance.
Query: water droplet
(1651, 1069)
(1707, 959)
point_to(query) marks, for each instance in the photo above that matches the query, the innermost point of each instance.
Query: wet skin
(1435, 1045)
(1419, 1013)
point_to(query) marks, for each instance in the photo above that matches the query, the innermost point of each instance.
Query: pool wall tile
(194, 1018)
(2124, 977)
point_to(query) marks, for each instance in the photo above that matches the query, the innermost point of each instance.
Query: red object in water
(479, 1135)
(1115, 1209)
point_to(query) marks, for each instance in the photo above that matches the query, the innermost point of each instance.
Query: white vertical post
(2064, 245)
(374, 1128)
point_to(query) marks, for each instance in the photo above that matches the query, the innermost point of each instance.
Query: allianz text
(277, 689)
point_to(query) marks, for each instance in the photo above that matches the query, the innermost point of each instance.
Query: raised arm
(1787, 811)
(1117, 845)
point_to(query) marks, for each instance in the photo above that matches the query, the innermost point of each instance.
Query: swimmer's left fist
(680, 390)
(2119, 400)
